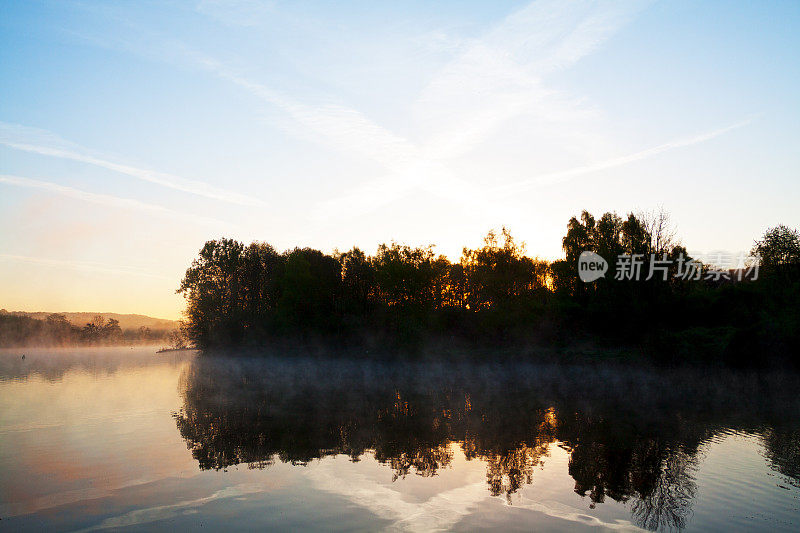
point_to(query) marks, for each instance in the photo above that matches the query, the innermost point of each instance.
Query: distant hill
(125, 321)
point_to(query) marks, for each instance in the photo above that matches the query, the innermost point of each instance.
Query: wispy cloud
(86, 266)
(493, 79)
(340, 126)
(102, 199)
(409, 165)
(564, 175)
(503, 74)
(46, 143)
(350, 130)
(497, 78)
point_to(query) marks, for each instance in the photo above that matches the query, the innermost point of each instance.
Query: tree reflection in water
(633, 435)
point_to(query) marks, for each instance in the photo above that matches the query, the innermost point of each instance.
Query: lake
(111, 438)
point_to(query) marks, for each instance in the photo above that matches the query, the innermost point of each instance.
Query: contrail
(564, 175)
(101, 199)
(76, 153)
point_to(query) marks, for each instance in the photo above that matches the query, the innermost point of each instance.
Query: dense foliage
(407, 297)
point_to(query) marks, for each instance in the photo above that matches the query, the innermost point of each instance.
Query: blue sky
(130, 133)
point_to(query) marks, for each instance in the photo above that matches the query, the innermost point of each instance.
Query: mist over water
(105, 438)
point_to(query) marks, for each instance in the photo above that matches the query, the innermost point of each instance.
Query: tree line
(498, 296)
(56, 330)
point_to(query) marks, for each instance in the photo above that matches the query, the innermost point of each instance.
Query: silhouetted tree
(211, 286)
(405, 297)
(358, 282)
(500, 273)
(309, 289)
(779, 249)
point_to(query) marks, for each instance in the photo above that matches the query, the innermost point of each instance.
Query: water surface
(103, 438)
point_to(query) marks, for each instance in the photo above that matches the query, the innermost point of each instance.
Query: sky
(133, 132)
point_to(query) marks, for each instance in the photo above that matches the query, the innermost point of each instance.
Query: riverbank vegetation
(412, 300)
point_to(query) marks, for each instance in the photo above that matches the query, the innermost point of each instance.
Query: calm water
(96, 439)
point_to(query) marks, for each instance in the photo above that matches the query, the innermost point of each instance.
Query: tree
(659, 229)
(111, 330)
(500, 272)
(212, 290)
(93, 331)
(177, 339)
(144, 333)
(607, 238)
(358, 281)
(309, 289)
(406, 276)
(260, 272)
(59, 328)
(579, 237)
(635, 238)
(779, 249)
(456, 287)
